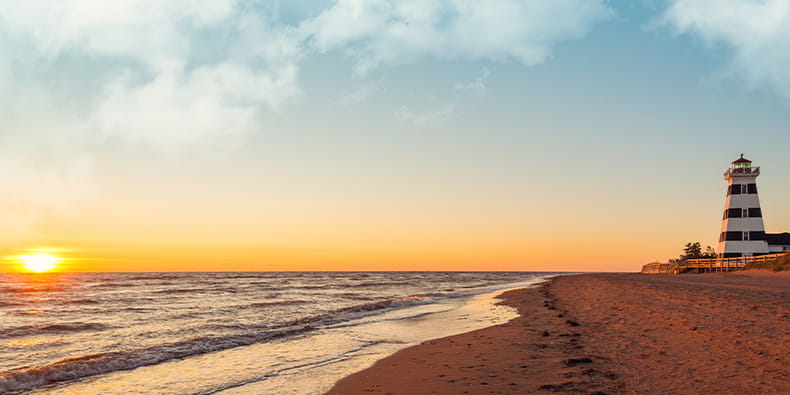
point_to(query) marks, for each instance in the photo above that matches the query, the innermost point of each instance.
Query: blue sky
(389, 124)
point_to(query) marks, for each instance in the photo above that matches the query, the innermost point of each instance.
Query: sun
(40, 262)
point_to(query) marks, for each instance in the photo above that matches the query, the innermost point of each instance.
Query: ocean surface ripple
(61, 327)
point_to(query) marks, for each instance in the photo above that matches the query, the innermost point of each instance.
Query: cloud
(758, 32)
(172, 74)
(427, 119)
(378, 32)
(360, 94)
(166, 73)
(177, 107)
(143, 29)
(476, 87)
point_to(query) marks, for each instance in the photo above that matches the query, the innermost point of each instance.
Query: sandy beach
(610, 333)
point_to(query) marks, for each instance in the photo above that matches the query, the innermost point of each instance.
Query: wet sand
(610, 333)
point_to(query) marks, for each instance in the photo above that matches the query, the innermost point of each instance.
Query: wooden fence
(704, 265)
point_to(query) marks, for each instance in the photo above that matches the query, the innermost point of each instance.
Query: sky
(550, 135)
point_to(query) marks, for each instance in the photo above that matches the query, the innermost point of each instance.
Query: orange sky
(499, 244)
(196, 228)
(229, 224)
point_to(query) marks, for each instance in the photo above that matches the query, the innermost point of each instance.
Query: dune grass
(776, 265)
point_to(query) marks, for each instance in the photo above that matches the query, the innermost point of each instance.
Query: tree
(693, 250)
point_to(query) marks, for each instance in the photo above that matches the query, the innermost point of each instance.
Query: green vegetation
(693, 250)
(776, 265)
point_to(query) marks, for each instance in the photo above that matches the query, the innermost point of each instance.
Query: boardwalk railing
(705, 265)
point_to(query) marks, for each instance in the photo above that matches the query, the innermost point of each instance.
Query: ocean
(206, 333)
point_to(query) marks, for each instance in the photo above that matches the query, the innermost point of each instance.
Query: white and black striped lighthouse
(742, 229)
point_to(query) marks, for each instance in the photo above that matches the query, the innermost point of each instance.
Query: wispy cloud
(143, 29)
(378, 32)
(758, 32)
(476, 87)
(177, 107)
(359, 94)
(429, 119)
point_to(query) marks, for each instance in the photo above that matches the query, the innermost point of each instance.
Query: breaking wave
(89, 365)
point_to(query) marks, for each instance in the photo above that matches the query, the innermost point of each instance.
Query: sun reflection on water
(29, 342)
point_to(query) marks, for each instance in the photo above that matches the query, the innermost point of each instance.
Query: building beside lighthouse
(742, 228)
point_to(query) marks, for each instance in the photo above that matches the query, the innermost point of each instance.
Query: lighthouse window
(746, 235)
(731, 236)
(744, 213)
(743, 189)
(752, 188)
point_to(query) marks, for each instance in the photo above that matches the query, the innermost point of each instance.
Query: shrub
(777, 265)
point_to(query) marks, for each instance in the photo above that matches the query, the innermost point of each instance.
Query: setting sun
(39, 262)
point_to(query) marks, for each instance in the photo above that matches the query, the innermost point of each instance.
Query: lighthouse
(742, 228)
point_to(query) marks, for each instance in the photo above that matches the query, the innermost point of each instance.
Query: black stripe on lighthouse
(752, 212)
(742, 189)
(742, 235)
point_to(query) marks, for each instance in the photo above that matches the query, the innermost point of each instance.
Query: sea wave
(209, 289)
(354, 296)
(280, 303)
(46, 328)
(74, 368)
(152, 277)
(198, 318)
(90, 365)
(366, 309)
(78, 302)
(113, 284)
(374, 284)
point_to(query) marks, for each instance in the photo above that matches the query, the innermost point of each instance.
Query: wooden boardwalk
(710, 265)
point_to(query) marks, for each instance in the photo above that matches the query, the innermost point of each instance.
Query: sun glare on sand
(39, 263)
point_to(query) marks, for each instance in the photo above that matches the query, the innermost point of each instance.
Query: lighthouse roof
(742, 160)
(778, 238)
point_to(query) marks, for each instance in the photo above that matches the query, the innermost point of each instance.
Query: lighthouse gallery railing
(744, 170)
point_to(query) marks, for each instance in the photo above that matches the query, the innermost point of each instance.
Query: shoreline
(609, 333)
